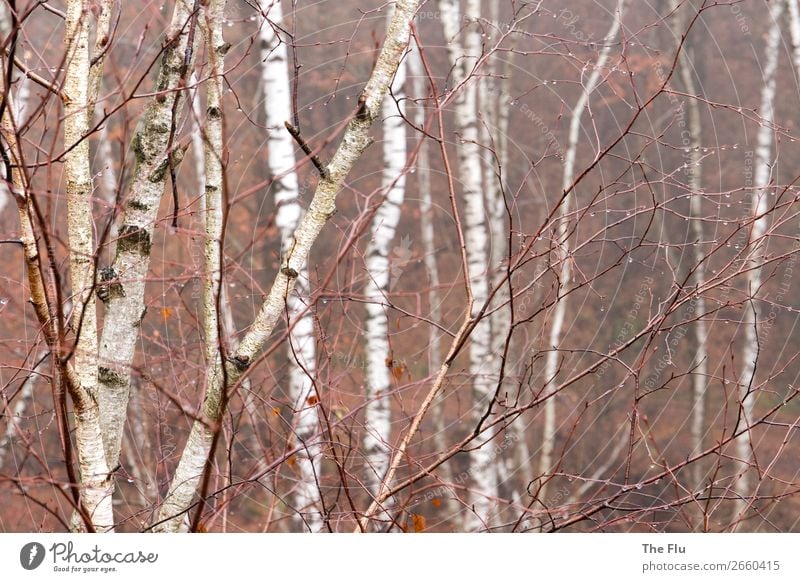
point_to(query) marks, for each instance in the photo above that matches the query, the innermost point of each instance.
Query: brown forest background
(336, 43)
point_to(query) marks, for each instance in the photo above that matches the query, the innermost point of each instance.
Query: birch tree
(564, 258)
(762, 166)
(463, 60)
(301, 349)
(695, 186)
(355, 140)
(94, 469)
(378, 419)
(155, 148)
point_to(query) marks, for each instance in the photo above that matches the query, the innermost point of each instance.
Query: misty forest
(404, 266)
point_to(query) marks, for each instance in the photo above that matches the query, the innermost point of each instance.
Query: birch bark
(463, 60)
(762, 166)
(301, 349)
(125, 308)
(94, 470)
(376, 334)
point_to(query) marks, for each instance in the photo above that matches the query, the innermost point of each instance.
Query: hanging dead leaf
(312, 400)
(436, 502)
(398, 369)
(166, 312)
(276, 411)
(418, 521)
(292, 462)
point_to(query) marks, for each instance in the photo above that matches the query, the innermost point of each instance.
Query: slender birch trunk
(94, 470)
(794, 30)
(213, 145)
(378, 421)
(563, 251)
(24, 394)
(500, 322)
(20, 103)
(125, 308)
(20, 98)
(301, 349)
(695, 184)
(750, 348)
(463, 60)
(521, 456)
(355, 140)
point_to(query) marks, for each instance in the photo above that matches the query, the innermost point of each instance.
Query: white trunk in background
(695, 184)
(794, 30)
(763, 170)
(519, 456)
(20, 99)
(378, 421)
(416, 73)
(108, 181)
(462, 61)
(494, 130)
(562, 244)
(302, 339)
(20, 104)
(354, 141)
(14, 414)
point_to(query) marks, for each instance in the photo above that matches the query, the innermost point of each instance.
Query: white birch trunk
(562, 243)
(20, 99)
(377, 430)
(211, 25)
(108, 182)
(763, 169)
(695, 183)
(463, 60)
(794, 31)
(125, 308)
(24, 394)
(96, 487)
(355, 140)
(20, 104)
(301, 349)
(519, 459)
